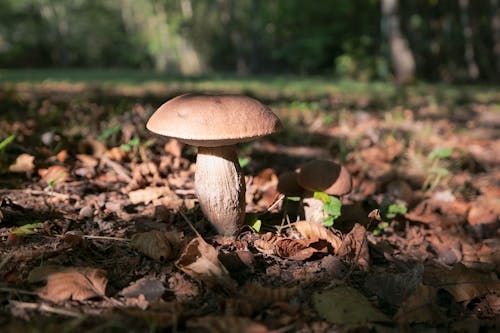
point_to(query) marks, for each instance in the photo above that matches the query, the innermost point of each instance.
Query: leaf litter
(101, 231)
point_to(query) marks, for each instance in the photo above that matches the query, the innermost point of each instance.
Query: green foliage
(395, 209)
(27, 229)
(132, 144)
(109, 132)
(244, 160)
(380, 228)
(331, 205)
(440, 153)
(437, 171)
(5, 142)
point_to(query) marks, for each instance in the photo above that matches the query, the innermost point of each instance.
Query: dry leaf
(154, 244)
(421, 307)
(463, 283)
(54, 175)
(24, 163)
(266, 243)
(355, 246)
(77, 283)
(218, 324)
(394, 288)
(254, 297)
(87, 160)
(200, 261)
(151, 289)
(345, 305)
(148, 194)
(314, 232)
(293, 249)
(62, 155)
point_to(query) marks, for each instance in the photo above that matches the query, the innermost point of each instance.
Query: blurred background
(432, 40)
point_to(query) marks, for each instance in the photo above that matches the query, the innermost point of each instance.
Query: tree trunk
(472, 68)
(495, 30)
(401, 55)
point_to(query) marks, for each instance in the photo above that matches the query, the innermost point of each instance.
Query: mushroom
(313, 176)
(215, 124)
(324, 176)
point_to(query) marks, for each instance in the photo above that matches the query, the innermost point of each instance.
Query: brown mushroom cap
(213, 120)
(288, 185)
(324, 176)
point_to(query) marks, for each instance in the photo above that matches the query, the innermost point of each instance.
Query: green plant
(132, 144)
(27, 229)
(331, 205)
(5, 142)
(379, 228)
(244, 160)
(109, 132)
(395, 209)
(438, 169)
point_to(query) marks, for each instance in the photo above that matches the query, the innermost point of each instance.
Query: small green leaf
(321, 196)
(126, 147)
(328, 221)
(134, 142)
(27, 229)
(109, 132)
(5, 142)
(395, 209)
(244, 161)
(440, 152)
(296, 199)
(331, 205)
(257, 225)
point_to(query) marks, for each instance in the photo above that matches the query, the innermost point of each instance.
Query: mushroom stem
(220, 186)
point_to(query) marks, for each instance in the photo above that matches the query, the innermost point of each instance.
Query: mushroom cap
(213, 120)
(324, 176)
(288, 185)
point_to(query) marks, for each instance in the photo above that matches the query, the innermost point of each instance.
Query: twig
(6, 260)
(275, 203)
(107, 238)
(121, 171)
(46, 308)
(99, 237)
(18, 291)
(36, 192)
(190, 224)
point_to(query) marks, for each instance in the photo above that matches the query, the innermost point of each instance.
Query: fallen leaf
(154, 244)
(293, 249)
(76, 283)
(355, 246)
(463, 283)
(254, 297)
(149, 194)
(219, 324)
(24, 163)
(200, 261)
(345, 305)
(395, 288)
(62, 155)
(484, 211)
(266, 243)
(151, 289)
(314, 232)
(55, 174)
(421, 307)
(87, 160)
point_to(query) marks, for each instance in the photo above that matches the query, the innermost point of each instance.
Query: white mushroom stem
(220, 186)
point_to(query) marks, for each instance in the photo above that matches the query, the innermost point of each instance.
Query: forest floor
(95, 211)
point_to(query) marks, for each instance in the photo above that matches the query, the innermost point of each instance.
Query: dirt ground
(95, 215)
